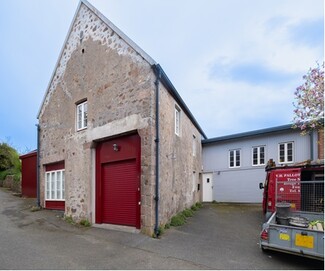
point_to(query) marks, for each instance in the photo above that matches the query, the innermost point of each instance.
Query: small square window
(82, 115)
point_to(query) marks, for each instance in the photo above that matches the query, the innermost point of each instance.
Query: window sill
(82, 129)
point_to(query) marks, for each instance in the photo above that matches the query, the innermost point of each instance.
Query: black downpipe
(158, 75)
(311, 145)
(38, 167)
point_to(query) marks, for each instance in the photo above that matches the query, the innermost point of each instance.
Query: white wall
(241, 184)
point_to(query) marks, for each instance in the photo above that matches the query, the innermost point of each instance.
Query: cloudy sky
(236, 63)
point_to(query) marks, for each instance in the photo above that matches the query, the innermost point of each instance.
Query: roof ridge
(119, 32)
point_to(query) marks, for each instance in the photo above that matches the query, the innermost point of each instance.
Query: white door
(207, 187)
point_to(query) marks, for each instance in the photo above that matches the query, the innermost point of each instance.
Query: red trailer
(29, 174)
(283, 184)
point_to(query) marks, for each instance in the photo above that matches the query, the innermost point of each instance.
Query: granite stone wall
(97, 65)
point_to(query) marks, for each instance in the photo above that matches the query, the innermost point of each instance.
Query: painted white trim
(194, 146)
(177, 120)
(258, 155)
(62, 184)
(82, 106)
(235, 155)
(286, 152)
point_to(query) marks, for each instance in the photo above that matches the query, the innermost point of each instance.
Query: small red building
(29, 174)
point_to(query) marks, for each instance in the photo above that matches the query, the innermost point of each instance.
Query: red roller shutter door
(119, 192)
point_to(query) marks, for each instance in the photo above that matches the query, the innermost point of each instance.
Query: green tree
(9, 160)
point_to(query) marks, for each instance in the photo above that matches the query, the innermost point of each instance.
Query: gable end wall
(119, 87)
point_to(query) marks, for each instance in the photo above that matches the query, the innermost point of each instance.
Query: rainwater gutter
(38, 167)
(311, 145)
(158, 77)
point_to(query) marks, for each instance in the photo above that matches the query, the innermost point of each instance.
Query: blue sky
(236, 63)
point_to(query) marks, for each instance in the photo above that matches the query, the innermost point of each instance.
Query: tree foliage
(309, 105)
(9, 158)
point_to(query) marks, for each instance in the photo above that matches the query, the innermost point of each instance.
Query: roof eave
(281, 128)
(170, 87)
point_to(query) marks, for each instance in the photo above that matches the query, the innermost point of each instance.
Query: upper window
(193, 181)
(286, 152)
(234, 158)
(258, 156)
(194, 146)
(177, 120)
(54, 185)
(82, 114)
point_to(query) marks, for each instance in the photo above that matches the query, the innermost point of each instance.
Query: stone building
(117, 144)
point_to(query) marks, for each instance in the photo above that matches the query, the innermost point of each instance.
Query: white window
(82, 114)
(258, 154)
(177, 120)
(54, 185)
(194, 146)
(286, 152)
(234, 158)
(193, 181)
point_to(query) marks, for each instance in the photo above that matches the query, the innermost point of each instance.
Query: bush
(9, 162)
(188, 213)
(69, 220)
(9, 157)
(178, 220)
(85, 223)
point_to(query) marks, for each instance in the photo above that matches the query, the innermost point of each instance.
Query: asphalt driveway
(218, 237)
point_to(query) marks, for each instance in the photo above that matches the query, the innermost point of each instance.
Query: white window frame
(194, 146)
(193, 181)
(286, 154)
(82, 115)
(55, 185)
(177, 120)
(234, 151)
(258, 156)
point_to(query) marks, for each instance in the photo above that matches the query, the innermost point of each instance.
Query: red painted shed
(29, 174)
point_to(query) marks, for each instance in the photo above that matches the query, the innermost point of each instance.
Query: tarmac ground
(218, 236)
